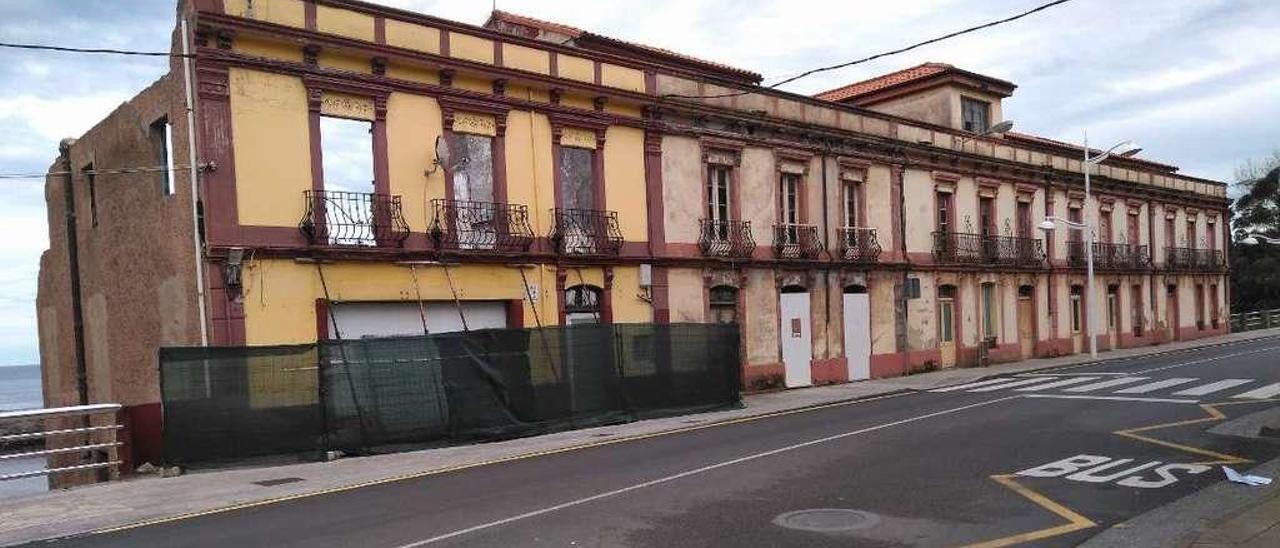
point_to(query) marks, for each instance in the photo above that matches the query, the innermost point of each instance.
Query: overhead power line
(149, 169)
(916, 45)
(105, 51)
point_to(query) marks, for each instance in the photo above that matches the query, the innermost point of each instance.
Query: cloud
(1191, 80)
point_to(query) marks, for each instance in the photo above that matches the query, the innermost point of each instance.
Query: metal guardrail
(1258, 319)
(90, 438)
(796, 241)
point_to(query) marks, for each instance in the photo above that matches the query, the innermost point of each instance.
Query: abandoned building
(531, 173)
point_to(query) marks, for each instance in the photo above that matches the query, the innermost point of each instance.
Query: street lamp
(999, 128)
(1121, 149)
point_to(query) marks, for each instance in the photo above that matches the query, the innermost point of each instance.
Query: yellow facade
(520, 57)
(272, 147)
(411, 36)
(281, 12)
(471, 48)
(344, 23)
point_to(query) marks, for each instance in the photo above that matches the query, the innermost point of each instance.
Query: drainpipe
(195, 188)
(73, 265)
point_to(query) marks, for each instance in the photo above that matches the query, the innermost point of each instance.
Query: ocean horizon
(20, 387)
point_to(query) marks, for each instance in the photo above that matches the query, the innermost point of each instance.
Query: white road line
(1153, 386)
(1212, 387)
(970, 385)
(1011, 384)
(1105, 384)
(1268, 391)
(693, 472)
(1058, 384)
(1204, 360)
(1108, 398)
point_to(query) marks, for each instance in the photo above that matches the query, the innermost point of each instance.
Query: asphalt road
(934, 468)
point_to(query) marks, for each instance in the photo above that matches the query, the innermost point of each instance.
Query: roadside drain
(827, 520)
(277, 481)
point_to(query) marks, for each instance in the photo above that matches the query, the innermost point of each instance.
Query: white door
(797, 350)
(857, 335)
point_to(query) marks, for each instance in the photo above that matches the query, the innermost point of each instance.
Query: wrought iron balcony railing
(1110, 256)
(585, 232)
(1187, 258)
(480, 226)
(726, 239)
(859, 244)
(795, 241)
(353, 219)
(964, 248)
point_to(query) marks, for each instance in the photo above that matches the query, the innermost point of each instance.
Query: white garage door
(359, 320)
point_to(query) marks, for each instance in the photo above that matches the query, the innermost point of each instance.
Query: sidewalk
(149, 499)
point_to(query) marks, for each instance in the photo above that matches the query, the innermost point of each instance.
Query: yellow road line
(447, 469)
(1214, 415)
(1075, 521)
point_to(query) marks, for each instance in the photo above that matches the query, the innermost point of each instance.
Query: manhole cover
(827, 520)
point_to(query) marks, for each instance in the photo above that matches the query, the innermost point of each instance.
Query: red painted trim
(444, 42)
(309, 14)
(497, 53)
(561, 274)
(142, 437)
(661, 296)
(499, 155)
(515, 314)
(655, 201)
(597, 71)
(606, 296)
(554, 69)
(322, 320)
(380, 29)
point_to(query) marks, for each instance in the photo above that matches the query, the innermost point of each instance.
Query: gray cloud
(1192, 80)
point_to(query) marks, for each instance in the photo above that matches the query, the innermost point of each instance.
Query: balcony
(858, 245)
(1187, 258)
(480, 226)
(1010, 251)
(1109, 256)
(340, 218)
(585, 232)
(730, 239)
(794, 241)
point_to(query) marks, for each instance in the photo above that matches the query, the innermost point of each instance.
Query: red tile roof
(586, 39)
(884, 81)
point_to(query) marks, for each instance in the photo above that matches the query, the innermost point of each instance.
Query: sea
(20, 389)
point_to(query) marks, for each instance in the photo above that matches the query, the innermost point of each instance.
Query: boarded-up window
(577, 178)
(473, 180)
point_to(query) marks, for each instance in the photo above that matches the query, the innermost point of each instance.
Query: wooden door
(1171, 312)
(947, 331)
(1026, 326)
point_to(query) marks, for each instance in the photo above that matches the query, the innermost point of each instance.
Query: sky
(1194, 82)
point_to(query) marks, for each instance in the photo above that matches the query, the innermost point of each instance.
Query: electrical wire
(104, 51)
(905, 49)
(149, 169)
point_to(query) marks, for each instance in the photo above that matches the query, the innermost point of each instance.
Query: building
(365, 171)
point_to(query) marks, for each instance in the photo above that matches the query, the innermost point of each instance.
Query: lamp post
(1122, 149)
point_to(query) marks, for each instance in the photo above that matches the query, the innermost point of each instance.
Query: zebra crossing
(1186, 387)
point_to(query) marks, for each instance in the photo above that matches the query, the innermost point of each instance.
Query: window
(724, 304)
(1191, 233)
(852, 196)
(1169, 239)
(582, 304)
(946, 313)
(718, 195)
(975, 114)
(1113, 308)
(1024, 220)
(1213, 305)
(944, 212)
(1104, 226)
(1211, 231)
(1200, 306)
(346, 159)
(987, 216)
(473, 180)
(577, 178)
(1135, 311)
(1134, 235)
(1076, 317)
(790, 195)
(990, 312)
(1075, 215)
(162, 141)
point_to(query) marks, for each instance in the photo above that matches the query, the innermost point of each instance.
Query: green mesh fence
(385, 394)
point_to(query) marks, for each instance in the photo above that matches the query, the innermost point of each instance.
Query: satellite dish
(443, 153)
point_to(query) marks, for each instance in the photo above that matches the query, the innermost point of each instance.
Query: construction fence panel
(387, 394)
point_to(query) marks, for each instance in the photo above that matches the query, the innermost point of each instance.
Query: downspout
(73, 264)
(195, 187)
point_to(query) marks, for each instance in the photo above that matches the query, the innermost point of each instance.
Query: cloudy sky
(1193, 81)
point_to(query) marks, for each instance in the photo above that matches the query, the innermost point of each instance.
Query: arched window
(724, 304)
(582, 304)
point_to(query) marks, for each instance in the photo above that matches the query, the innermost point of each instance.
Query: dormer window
(975, 114)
